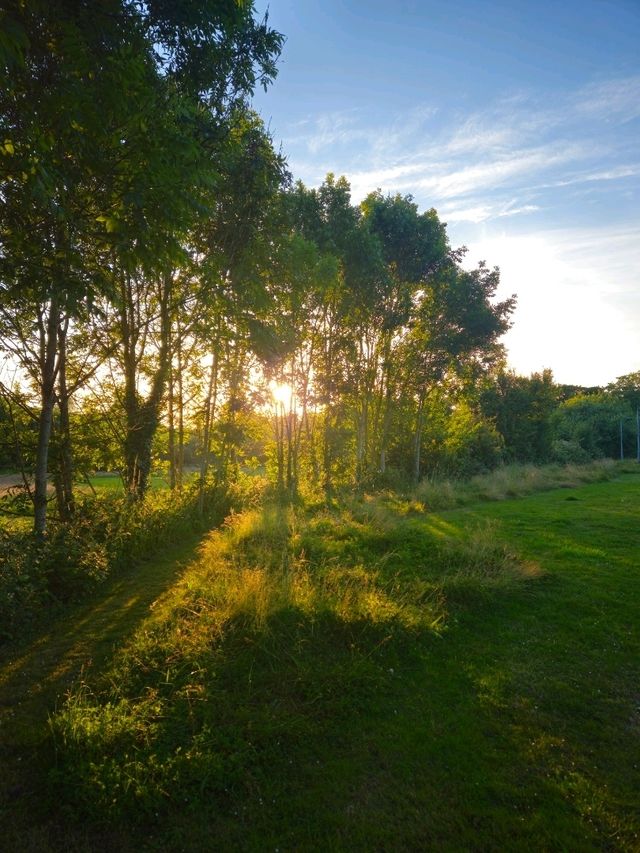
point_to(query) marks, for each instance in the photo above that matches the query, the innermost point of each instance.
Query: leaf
(9, 147)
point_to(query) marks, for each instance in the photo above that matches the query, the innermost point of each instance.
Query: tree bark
(143, 416)
(48, 366)
(64, 478)
(417, 440)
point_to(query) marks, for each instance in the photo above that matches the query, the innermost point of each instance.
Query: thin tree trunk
(66, 502)
(180, 459)
(387, 387)
(172, 429)
(210, 411)
(48, 346)
(417, 440)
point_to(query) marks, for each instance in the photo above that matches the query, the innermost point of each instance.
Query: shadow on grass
(309, 734)
(35, 673)
(319, 731)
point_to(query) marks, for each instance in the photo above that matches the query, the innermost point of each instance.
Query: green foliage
(471, 445)
(627, 388)
(23, 586)
(588, 426)
(521, 409)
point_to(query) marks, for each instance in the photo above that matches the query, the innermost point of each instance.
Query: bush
(23, 586)
(568, 452)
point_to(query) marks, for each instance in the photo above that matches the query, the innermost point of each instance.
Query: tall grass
(510, 481)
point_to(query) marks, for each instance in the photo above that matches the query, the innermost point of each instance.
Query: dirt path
(9, 482)
(35, 674)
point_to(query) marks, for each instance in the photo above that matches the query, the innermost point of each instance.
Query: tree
(521, 409)
(627, 388)
(412, 246)
(456, 329)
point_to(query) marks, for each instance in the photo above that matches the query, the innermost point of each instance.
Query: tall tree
(456, 326)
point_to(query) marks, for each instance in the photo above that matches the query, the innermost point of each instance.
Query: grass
(512, 481)
(373, 677)
(113, 483)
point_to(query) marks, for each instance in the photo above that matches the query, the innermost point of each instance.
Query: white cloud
(611, 99)
(578, 312)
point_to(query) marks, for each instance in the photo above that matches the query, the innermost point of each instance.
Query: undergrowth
(106, 534)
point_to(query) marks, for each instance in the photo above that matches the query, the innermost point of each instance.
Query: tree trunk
(210, 410)
(387, 387)
(143, 416)
(66, 502)
(48, 346)
(172, 430)
(180, 458)
(417, 440)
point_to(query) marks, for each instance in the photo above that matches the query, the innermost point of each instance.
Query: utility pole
(621, 442)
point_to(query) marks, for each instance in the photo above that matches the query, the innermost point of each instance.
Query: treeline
(169, 295)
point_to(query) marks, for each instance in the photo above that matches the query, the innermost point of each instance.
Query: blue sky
(518, 121)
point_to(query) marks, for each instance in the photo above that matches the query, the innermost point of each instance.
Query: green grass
(113, 483)
(373, 677)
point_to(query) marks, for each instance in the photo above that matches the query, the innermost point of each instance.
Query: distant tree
(627, 388)
(588, 427)
(520, 408)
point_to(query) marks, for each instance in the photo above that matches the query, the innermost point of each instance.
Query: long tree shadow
(35, 673)
(313, 734)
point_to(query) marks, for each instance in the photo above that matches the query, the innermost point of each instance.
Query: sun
(282, 393)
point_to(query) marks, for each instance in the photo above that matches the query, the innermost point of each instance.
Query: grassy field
(374, 677)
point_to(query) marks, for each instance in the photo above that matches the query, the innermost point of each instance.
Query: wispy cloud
(492, 173)
(611, 99)
(488, 164)
(482, 213)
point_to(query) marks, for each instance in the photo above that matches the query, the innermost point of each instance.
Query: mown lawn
(373, 678)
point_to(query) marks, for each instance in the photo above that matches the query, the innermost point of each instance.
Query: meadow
(372, 675)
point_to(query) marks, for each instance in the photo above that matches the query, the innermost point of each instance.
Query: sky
(518, 121)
